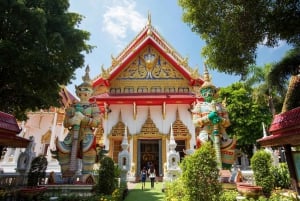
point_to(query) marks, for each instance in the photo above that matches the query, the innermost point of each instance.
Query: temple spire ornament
(86, 78)
(173, 159)
(149, 18)
(149, 32)
(124, 157)
(207, 79)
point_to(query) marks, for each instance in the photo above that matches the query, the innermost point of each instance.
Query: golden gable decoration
(149, 128)
(119, 128)
(179, 129)
(149, 64)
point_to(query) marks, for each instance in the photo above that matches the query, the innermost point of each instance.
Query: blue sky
(113, 24)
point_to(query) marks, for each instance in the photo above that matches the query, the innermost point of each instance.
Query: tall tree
(262, 91)
(40, 49)
(246, 115)
(233, 29)
(288, 68)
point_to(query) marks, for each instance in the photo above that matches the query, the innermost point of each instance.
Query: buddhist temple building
(148, 87)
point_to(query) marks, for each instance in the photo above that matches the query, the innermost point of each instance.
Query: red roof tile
(9, 123)
(285, 129)
(284, 120)
(9, 129)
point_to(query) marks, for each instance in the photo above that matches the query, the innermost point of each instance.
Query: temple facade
(147, 88)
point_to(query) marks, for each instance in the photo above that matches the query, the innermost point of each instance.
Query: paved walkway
(131, 185)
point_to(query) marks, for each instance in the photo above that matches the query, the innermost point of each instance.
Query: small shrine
(124, 157)
(173, 159)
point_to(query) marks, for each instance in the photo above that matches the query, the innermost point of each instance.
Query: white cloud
(280, 44)
(121, 18)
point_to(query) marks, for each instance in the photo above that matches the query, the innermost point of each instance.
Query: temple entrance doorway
(149, 153)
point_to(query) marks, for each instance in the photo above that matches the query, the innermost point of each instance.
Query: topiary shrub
(281, 176)
(200, 175)
(174, 191)
(37, 171)
(106, 179)
(228, 195)
(261, 163)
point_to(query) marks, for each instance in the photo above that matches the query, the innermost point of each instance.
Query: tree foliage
(282, 178)
(233, 29)
(246, 115)
(261, 164)
(40, 49)
(37, 170)
(106, 179)
(200, 175)
(288, 68)
(263, 92)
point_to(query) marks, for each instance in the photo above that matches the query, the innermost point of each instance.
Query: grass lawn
(147, 194)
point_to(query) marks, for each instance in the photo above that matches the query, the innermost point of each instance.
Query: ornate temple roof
(9, 130)
(148, 37)
(285, 129)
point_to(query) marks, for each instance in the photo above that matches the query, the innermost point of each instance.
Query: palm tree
(288, 67)
(263, 92)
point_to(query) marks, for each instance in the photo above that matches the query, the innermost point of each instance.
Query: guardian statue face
(83, 93)
(208, 94)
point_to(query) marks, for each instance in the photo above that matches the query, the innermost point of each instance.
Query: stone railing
(8, 180)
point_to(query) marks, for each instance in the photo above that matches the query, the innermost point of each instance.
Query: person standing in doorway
(152, 175)
(143, 177)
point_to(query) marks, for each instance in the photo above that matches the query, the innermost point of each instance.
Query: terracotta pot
(248, 190)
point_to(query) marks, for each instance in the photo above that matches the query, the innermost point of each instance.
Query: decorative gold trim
(117, 134)
(46, 137)
(134, 110)
(180, 131)
(149, 131)
(164, 110)
(99, 135)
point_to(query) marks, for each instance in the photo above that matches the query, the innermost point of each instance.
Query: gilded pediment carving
(119, 128)
(149, 127)
(179, 129)
(150, 65)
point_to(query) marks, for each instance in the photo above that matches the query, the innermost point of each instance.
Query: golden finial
(149, 116)
(149, 18)
(120, 115)
(177, 114)
(149, 24)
